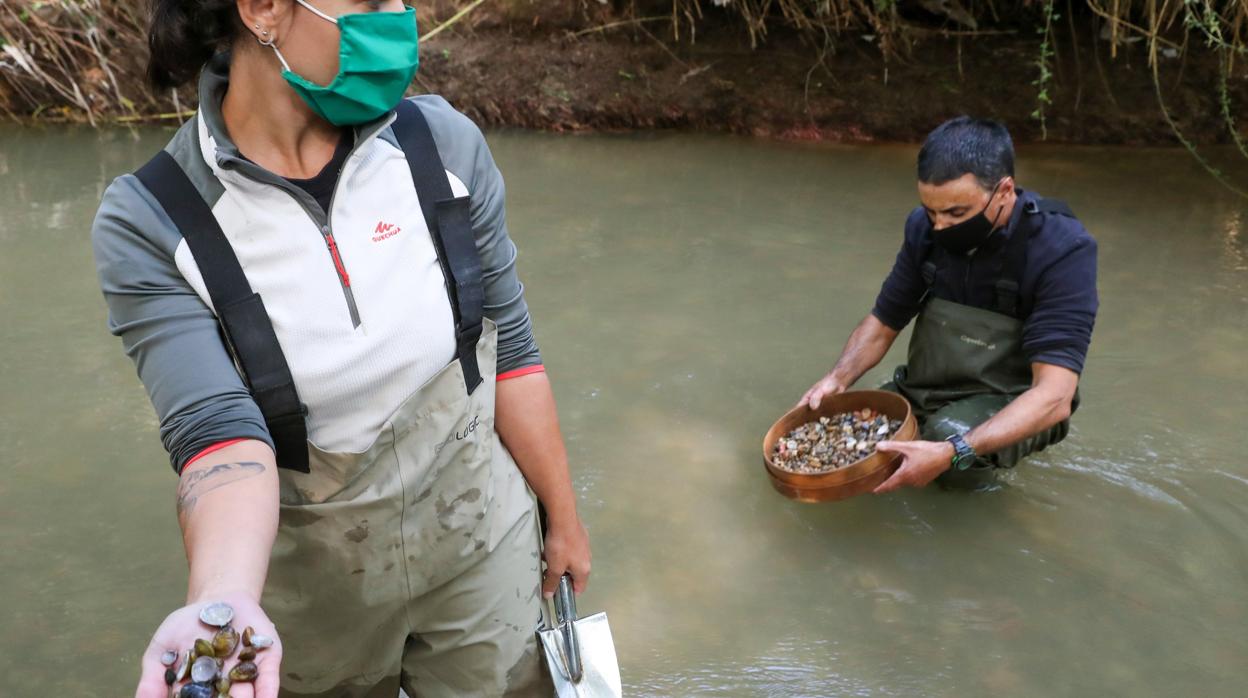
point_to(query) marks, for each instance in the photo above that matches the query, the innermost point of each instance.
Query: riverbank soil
(591, 66)
(557, 73)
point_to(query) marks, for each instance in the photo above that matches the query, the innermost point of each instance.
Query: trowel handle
(565, 601)
(565, 615)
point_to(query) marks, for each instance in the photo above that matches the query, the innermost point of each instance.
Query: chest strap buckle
(1007, 297)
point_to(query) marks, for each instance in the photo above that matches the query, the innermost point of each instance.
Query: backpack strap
(245, 324)
(447, 218)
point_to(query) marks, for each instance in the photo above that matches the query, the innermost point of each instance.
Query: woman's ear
(260, 16)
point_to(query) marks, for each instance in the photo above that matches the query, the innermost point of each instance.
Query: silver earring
(266, 41)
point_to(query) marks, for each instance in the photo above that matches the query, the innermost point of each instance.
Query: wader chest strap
(1014, 261)
(245, 325)
(451, 228)
(928, 270)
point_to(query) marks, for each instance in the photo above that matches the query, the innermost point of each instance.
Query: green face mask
(377, 57)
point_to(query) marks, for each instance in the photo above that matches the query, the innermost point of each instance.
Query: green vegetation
(1042, 63)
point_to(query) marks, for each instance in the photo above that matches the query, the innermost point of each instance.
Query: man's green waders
(965, 364)
(414, 562)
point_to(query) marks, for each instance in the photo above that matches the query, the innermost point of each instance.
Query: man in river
(1003, 283)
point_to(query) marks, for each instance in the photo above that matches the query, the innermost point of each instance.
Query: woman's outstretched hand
(178, 634)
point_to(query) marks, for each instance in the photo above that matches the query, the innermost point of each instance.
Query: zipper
(343, 278)
(327, 233)
(317, 215)
(252, 171)
(333, 252)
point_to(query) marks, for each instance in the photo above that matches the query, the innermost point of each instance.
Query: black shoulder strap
(1015, 259)
(245, 324)
(931, 259)
(1009, 280)
(451, 228)
(928, 270)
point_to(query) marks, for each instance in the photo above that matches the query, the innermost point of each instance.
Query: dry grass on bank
(84, 59)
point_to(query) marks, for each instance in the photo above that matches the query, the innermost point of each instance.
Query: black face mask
(963, 237)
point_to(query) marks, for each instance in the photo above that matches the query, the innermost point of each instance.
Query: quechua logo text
(385, 230)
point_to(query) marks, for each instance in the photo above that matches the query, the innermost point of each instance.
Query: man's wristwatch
(963, 454)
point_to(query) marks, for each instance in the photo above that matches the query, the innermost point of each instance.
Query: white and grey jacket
(359, 338)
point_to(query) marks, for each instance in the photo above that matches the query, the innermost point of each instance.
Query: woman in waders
(316, 283)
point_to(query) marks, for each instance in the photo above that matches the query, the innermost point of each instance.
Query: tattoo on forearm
(201, 482)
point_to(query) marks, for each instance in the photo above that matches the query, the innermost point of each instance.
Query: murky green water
(686, 290)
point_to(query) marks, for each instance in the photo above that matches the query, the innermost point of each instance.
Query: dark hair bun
(184, 34)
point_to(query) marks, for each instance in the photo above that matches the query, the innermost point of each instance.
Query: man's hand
(867, 344)
(828, 385)
(566, 550)
(182, 627)
(921, 462)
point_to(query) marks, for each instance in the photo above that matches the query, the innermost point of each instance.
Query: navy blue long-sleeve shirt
(1057, 291)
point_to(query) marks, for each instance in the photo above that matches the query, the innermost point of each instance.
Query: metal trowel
(579, 651)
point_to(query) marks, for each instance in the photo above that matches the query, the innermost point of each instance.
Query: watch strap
(963, 454)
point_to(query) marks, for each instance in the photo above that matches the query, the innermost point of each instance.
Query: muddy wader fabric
(965, 364)
(414, 562)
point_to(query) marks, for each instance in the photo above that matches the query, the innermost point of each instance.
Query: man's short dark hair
(963, 145)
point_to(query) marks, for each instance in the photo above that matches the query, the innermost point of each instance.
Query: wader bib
(415, 561)
(965, 363)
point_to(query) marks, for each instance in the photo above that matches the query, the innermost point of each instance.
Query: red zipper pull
(333, 252)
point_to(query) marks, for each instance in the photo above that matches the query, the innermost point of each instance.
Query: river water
(686, 290)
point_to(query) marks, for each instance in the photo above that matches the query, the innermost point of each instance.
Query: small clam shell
(217, 614)
(224, 642)
(204, 649)
(247, 636)
(196, 690)
(170, 677)
(223, 686)
(244, 671)
(204, 670)
(247, 654)
(169, 657)
(184, 670)
(261, 641)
